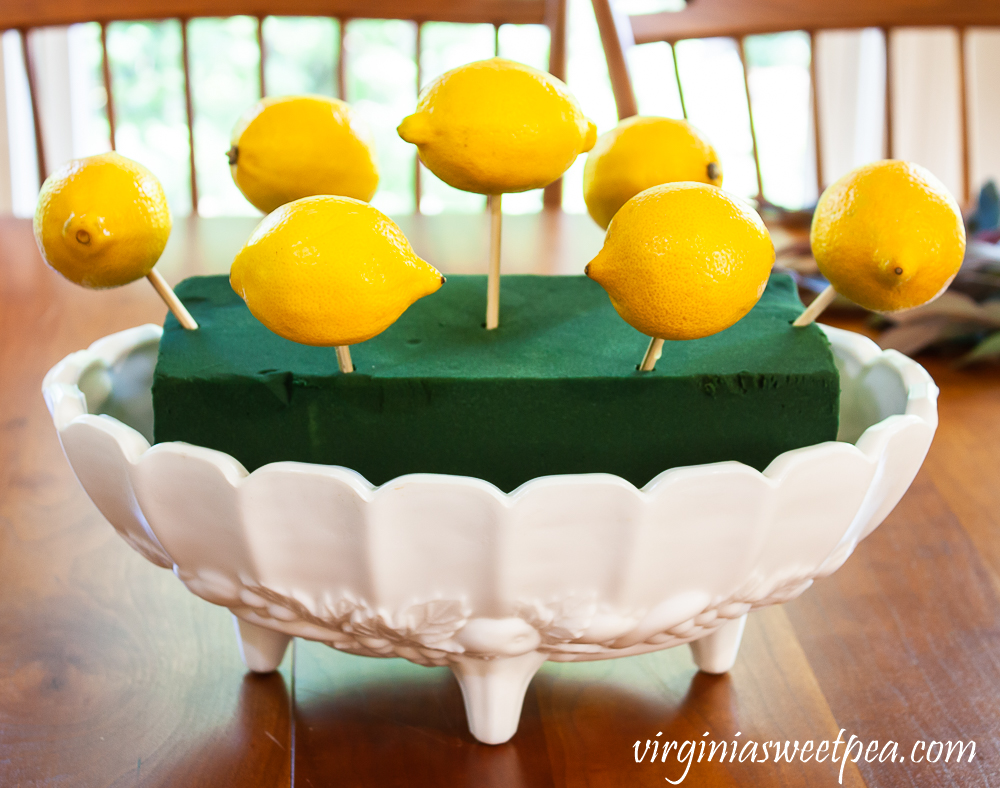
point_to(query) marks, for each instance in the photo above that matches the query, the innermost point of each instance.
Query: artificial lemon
(888, 236)
(641, 152)
(684, 260)
(102, 221)
(288, 147)
(329, 271)
(497, 126)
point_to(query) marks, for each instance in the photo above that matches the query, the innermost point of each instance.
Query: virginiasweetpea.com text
(683, 754)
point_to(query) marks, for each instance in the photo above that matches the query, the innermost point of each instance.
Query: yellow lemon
(684, 260)
(102, 221)
(329, 271)
(888, 236)
(497, 126)
(641, 152)
(288, 147)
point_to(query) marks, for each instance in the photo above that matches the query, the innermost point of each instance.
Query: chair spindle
(817, 131)
(260, 63)
(753, 130)
(189, 107)
(677, 77)
(109, 107)
(36, 113)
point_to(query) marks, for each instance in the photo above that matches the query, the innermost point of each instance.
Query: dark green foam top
(553, 390)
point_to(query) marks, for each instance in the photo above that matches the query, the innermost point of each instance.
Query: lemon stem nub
(233, 155)
(653, 353)
(713, 170)
(171, 300)
(344, 358)
(83, 236)
(815, 309)
(493, 279)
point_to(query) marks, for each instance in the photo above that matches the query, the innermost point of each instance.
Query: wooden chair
(24, 15)
(738, 19)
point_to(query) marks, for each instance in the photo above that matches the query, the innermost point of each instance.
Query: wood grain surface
(112, 674)
(39, 13)
(736, 18)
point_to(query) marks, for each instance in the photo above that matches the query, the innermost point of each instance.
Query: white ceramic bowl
(449, 570)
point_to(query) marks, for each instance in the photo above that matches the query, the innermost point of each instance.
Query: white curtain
(926, 109)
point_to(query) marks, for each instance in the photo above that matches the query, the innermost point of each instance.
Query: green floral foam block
(553, 390)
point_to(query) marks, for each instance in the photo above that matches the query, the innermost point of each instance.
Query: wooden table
(111, 673)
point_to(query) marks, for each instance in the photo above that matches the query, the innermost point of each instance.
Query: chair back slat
(42, 13)
(109, 106)
(677, 79)
(887, 37)
(963, 114)
(555, 20)
(615, 37)
(418, 50)
(341, 59)
(189, 109)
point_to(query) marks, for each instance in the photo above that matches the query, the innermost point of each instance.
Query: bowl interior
(125, 390)
(868, 394)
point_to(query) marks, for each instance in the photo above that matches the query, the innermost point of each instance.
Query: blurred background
(381, 81)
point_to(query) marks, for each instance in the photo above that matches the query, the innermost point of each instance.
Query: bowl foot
(261, 649)
(493, 691)
(716, 653)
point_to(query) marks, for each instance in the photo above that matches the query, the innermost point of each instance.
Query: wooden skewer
(344, 358)
(171, 300)
(493, 280)
(653, 353)
(815, 309)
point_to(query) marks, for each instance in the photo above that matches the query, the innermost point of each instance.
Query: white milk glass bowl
(449, 570)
